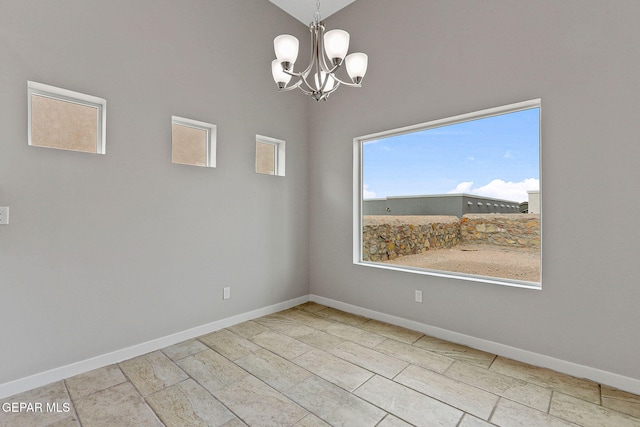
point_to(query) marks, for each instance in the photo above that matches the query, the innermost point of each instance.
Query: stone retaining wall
(388, 237)
(514, 230)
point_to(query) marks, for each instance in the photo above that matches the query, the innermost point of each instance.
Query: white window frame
(280, 153)
(35, 88)
(358, 186)
(211, 132)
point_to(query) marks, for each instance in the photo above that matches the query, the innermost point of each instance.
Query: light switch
(418, 296)
(4, 215)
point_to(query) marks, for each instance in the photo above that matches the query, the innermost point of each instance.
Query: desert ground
(485, 260)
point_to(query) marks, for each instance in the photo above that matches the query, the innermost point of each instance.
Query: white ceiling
(303, 10)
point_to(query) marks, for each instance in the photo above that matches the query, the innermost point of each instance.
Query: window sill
(452, 275)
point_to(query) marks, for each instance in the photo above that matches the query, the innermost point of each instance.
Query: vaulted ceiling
(303, 10)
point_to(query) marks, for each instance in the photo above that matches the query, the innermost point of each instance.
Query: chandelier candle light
(332, 46)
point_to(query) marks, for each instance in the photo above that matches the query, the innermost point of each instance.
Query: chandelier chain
(316, 14)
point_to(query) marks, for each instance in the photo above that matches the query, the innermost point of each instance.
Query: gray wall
(448, 204)
(105, 252)
(430, 60)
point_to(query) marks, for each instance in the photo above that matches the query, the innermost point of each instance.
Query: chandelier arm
(323, 59)
(322, 83)
(313, 28)
(304, 73)
(295, 86)
(322, 65)
(306, 92)
(347, 83)
(318, 53)
(328, 69)
(291, 73)
(300, 84)
(325, 95)
(308, 69)
(306, 83)
(321, 56)
(335, 87)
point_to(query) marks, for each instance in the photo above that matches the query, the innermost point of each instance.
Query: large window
(457, 197)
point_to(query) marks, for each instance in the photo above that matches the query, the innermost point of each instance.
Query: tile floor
(316, 366)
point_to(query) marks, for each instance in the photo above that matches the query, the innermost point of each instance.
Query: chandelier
(328, 53)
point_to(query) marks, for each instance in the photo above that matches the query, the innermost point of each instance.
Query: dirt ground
(484, 260)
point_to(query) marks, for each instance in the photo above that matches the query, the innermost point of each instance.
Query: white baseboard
(57, 374)
(621, 382)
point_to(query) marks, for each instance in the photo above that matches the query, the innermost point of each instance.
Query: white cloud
(366, 193)
(499, 189)
(385, 146)
(463, 187)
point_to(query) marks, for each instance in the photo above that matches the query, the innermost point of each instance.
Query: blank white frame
(280, 146)
(56, 93)
(212, 136)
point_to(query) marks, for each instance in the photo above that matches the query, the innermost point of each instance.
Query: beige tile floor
(316, 366)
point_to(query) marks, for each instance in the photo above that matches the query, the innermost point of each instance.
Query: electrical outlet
(226, 293)
(4, 215)
(418, 296)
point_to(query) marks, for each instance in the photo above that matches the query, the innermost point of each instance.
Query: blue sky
(494, 157)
